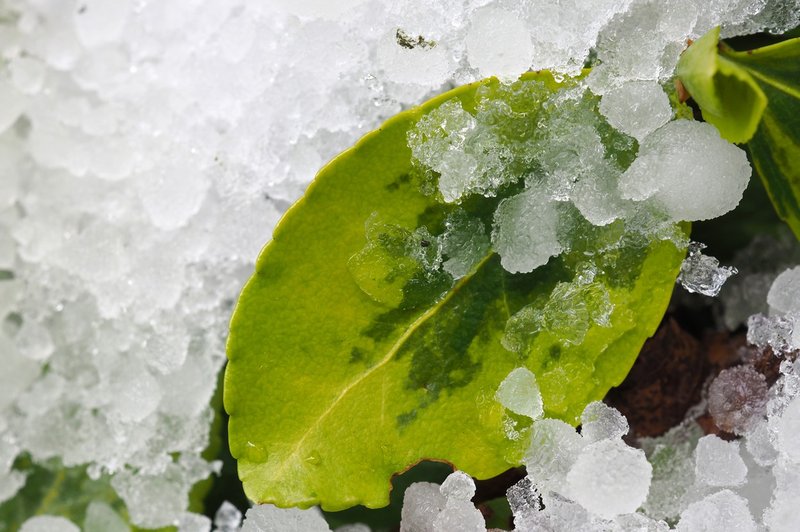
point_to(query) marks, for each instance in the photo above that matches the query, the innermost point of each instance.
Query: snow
(147, 149)
(498, 43)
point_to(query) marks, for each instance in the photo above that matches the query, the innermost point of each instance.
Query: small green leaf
(753, 97)
(357, 349)
(726, 93)
(775, 148)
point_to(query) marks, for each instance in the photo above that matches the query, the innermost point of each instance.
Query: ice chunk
(459, 516)
(637, 108)
(498, 44)
(609, 478)
(422, 503)
(269, 518)
(100, 517)
(524, 498)
(48, 523)
(519, 393)
(554, 448)
(458, 486)
(601, 422)
(737, 399)
(641, 43)
(572, 309)
(788, 430)
(702, 273)
(464, 244)
(718, 462)
(228, 518)
(723, 510)
(525, 231)
(777, 332)
(784, 294)
(465, 153)
(689, 171)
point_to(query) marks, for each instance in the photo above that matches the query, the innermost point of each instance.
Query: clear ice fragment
(464, 244)
(519, 393)
(525, 231)
(702, 273)
(601, 422)
(776, 332)
(523, 496)
(554, 448)
(718, 462)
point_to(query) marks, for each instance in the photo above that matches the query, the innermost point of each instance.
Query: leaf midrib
(424, 317)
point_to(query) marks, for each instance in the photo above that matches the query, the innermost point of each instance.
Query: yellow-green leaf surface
(754, 97)
(726, 93)
(334, 385)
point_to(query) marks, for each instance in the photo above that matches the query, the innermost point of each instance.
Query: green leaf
(349, 361)
(726, 93)
(754, 97)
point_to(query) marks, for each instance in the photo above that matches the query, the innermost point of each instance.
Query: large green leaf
(754, 97)
(348, 362)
